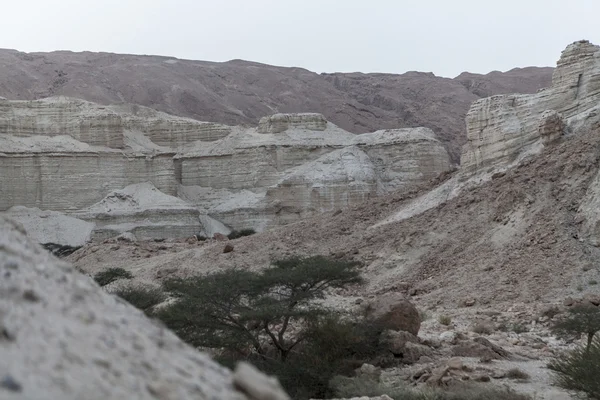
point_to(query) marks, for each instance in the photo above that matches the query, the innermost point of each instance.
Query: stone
(392, 311)
(448, 337)
(256, 385)
(369, 371)
(278, 123)
(437, 375)
(551, 126)
(220, 237)
(568, 302)
(395, 341)
(413, 352)
(228, 248)
(122, 355)
(455, 363)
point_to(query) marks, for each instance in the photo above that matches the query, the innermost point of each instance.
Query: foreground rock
(62, 337)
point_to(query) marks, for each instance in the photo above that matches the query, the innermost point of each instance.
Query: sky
(395, 36)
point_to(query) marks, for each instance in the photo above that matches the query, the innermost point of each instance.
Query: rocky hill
(240, 92)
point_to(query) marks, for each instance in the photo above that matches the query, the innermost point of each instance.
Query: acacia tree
(240, 310)
(582, 319)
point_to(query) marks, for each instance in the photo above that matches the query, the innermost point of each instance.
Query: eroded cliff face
(503, 129)
(100, 164)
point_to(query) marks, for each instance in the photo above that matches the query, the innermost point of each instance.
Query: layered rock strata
(79, 158)
(500, 129)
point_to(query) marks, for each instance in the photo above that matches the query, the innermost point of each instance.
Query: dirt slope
(241, 92)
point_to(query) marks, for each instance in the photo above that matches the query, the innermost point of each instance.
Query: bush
(238, 234)
(516, 373)
(482, 328)
(141, 296)
(581, 319)
(253, 311)
(110, 275)
(445, 320)
(579, 370)
(270, 318)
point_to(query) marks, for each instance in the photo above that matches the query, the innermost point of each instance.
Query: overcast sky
(442, 36)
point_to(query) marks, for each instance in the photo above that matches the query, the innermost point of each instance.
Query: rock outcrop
(101, 163)
(503, 129)
(63, 337)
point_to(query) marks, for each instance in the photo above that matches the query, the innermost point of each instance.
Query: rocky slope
(240, 92)
(63, 337)
(504, 229)
(132, 169)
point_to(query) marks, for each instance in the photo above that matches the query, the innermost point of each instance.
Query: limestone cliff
(101, 164)
(502, 129)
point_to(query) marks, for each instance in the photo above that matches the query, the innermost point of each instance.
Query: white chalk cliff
(127, 168)
(504, 130)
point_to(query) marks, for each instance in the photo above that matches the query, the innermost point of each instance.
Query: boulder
(392, 311)
(63, 337)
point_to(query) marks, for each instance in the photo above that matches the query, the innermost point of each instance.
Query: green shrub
(238, 234)
(579, 370)
(445, 320)
(581, 319)
(110, 275)
(516, 373)
(141, 296)
(271, 319)
(483, 328)
(519, 328)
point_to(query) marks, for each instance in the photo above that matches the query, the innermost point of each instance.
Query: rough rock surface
(392, 311)
(63, 337)
(144, 211)
(501, 129)
(291, 166)
(241, 92)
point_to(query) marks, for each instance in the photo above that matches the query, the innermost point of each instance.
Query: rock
(568, 302)
(475, 350)
(395, 341)
(591, 298)
(448, 337)
(413, 352)
(369, 371)
(127, 237)
(437, 375)
(256, 385)
(220, 237)
(228, 248)
(392, 311)
(278, 123)
(455, 363)
(481, 378)
(469, 302)
(119, 354)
